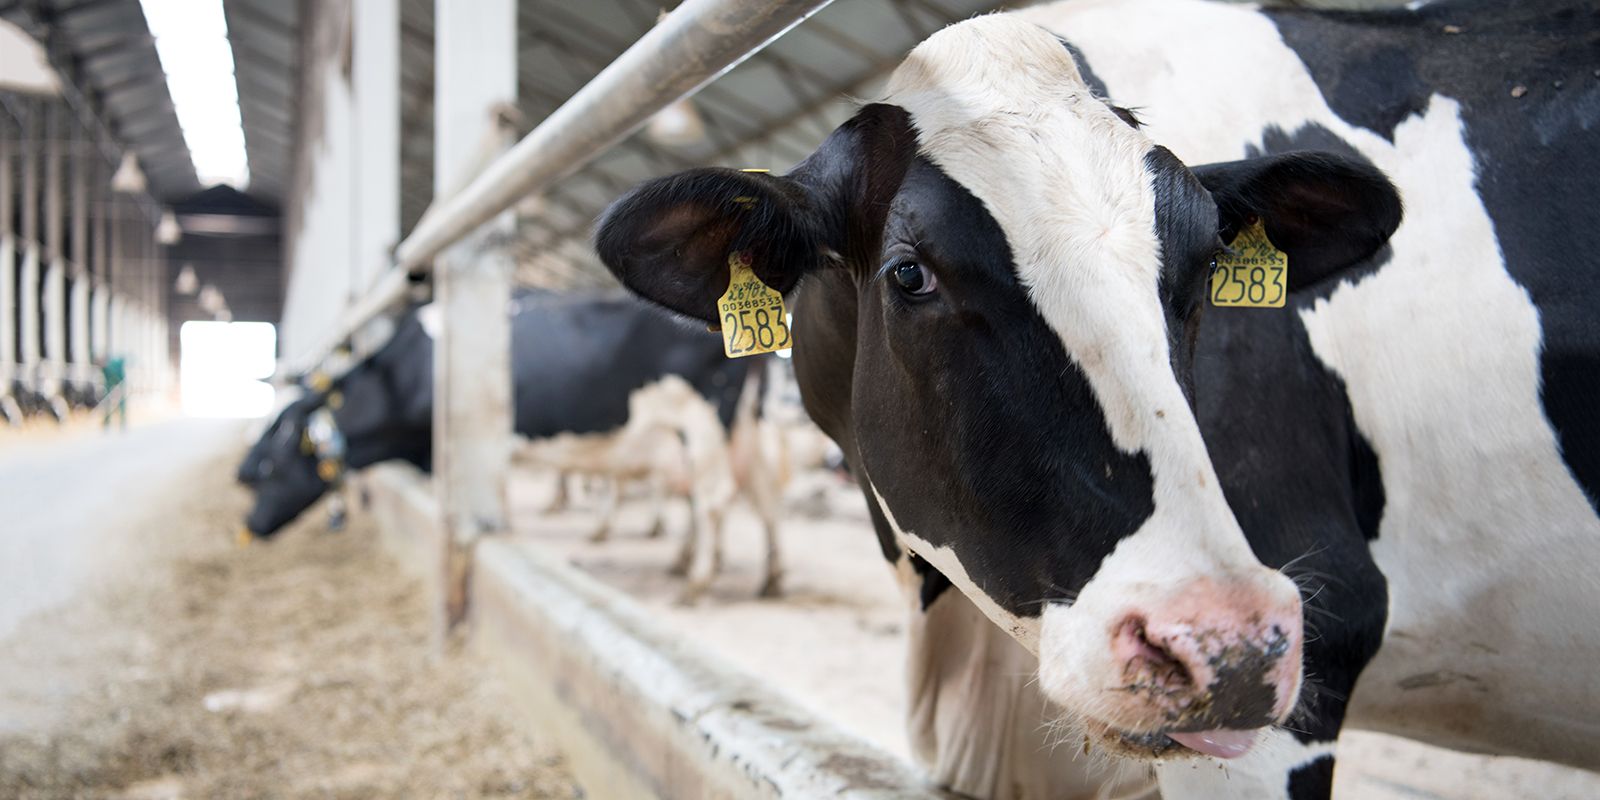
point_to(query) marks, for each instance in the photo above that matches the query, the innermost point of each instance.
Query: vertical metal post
(475, 65)
(8, 262)
(100, 308)
(377, 127)
(28, 287)
(78, 340)
(117, 323)
(141, 306)
(155, 265)
(116, 280)
(55, 274)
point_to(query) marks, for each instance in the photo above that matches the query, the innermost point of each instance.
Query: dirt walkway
(303, 668)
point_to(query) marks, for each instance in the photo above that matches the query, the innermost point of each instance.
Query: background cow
(674, 442)
(999, 279)
(575, 360)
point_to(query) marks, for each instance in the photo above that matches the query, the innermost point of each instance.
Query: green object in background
(115, 372)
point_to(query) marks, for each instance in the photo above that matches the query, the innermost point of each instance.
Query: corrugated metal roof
(769, 111)
(265, 35)
(107, 45)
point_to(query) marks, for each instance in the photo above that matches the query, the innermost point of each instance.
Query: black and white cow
(998, 287)
(575, 360)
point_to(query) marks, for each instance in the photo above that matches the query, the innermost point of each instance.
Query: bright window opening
(223, 367)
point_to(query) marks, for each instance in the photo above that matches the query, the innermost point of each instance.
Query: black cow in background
(575, 360)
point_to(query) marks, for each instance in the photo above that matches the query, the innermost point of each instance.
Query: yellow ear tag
(753, 317)
(242, 537)
(327, 470)
(320, 382)
(1254, 275)
(307, 447)
(336, 400)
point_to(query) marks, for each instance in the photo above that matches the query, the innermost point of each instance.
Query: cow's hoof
(690, 595)
(600, 535)
(679, 568)
(656, 530)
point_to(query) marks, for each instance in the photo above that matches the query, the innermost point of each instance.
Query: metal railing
(690, 47)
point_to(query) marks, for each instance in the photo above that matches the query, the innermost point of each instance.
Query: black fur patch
(1534, 150)
(1313, 781)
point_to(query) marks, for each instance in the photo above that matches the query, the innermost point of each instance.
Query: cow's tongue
(1219, 743)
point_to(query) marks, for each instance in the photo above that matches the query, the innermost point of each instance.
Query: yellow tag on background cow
(752, 314)
(1254, 275)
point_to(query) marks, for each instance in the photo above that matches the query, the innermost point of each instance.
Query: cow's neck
(975, 716)
(374, 428)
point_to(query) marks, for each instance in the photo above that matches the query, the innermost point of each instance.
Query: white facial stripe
(1024, 629)
(1000, 106)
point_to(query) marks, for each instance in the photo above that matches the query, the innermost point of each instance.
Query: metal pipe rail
(690, 47)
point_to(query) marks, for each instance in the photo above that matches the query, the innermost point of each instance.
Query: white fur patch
(1487, 541)
(1260, 774)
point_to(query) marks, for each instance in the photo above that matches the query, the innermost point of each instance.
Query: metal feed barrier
(637, 711)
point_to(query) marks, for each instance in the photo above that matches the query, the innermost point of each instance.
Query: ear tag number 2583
(752, 314)
(1254, 275)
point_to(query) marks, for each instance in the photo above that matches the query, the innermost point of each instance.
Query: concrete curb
(637, 711)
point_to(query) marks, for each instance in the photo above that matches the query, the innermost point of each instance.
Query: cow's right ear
(669, 239)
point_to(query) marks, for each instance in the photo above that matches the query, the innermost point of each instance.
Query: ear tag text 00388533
(1253, 274)
(752, 314)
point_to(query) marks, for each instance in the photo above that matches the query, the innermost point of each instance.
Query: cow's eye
(914, 278)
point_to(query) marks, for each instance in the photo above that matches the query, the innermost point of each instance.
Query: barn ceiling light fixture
(167, 230)
(678, 125)
(187, 282)
(192, 40)
(129, 179)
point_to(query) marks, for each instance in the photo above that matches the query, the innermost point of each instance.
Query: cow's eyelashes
(913, 278)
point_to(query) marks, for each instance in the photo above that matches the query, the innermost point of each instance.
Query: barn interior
(210, 208)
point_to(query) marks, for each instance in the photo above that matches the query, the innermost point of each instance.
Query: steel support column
(55, 274)
(116, 281)
(100, 293)
(78, 337)
(475, 66)
(8, 262)
(28, 287)
(377, 136)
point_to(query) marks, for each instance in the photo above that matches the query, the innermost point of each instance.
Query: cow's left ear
(669, 239)
(1326, 212)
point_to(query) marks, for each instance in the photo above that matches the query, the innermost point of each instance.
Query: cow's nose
(1215, 662)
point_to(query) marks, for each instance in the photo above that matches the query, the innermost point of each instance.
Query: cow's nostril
(1142, 654)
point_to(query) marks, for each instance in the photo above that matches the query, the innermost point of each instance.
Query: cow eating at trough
(575, 362)
(1208, 531)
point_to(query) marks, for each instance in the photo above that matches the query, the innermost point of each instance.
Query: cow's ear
(669, 239)
(1326, 212)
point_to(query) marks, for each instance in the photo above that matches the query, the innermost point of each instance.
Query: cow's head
(291, 468)
(258, 461)
(1001, 277)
